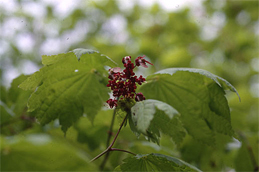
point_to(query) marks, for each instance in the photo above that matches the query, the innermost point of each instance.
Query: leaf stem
(101, 154)
(124, 120)
(116, 149)
(114, 139)
(109, 138)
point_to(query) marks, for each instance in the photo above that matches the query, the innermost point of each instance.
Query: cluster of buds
(123, 83)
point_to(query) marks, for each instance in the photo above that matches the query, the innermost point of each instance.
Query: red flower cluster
(123, 84)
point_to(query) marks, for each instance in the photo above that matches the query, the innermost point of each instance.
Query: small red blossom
(141, 80)
(123, 83)
(111, 103)
(140, 61)
(113, 72)
(139, 97)
(126, 59)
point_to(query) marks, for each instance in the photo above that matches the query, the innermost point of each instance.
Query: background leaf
(247, 159)
(14, 115)
(6, 114)
(41, 153)
(17, 96)
(154, 162)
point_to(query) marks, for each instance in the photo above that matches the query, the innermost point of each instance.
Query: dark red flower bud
(111, 103)
(113, 72)
(139, 97)
(140, 61)
(141, 80)
(126, 59)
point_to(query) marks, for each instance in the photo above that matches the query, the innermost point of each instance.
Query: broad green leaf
(200, 101)
(220, 81)
(38, 152)
(52, 59)
(142, 113)
(94, 58)
(154, 162)
(80, 51)
(66, 88)
(150, 117)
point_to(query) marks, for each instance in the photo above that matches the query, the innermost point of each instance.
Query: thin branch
(104, 161)
(109, 148)
(101, 154)
(116, 149)
(108, 139)
(111, 128)
(108, 153)
(124, 120)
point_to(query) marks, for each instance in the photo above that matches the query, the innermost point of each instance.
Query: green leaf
(151, 116)
(65, 88)
(94, 57)
(52, 59)
(154, 162)
(220, 81)
(38, 152)
(200, 101)
(80, 51)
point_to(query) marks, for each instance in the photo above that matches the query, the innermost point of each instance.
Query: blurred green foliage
(221, 37)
